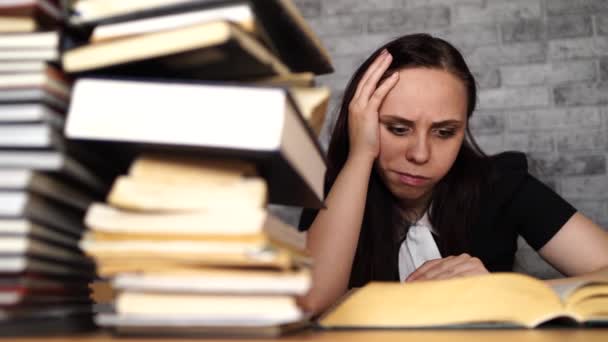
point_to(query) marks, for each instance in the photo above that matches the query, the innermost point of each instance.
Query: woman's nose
(418, 151)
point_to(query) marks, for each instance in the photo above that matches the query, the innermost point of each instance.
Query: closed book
(117, 258)
(33, 40)
(24, 245)
(44, 11)
(29, 55)
(24, 205)
(220, 224)
(259, 124)
(57, 100)
(494, 300)
(50, 186)
(18, 66)
(24, 227)
(240, 14)
(208, 252)
(211, 50)
(30, 136)
(212, 307)
(50, 78)
(40, 295)
(30, 113)
(133, 194)
(17, 24)
(14, 265)
(288, 33)
(172, 325)
(54, 161)
(218, 281)
(312, 102)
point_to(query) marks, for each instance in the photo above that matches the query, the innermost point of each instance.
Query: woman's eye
(445, 133)
(398, 130)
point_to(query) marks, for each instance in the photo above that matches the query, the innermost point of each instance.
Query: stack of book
(44, 187)
(215, 103)
(191, 249)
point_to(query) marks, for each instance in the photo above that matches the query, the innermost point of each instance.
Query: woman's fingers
(373, 66)
(378, 96)
(450, 267)
(420, 271)
(371, 83)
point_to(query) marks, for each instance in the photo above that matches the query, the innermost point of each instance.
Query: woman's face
(422, 126)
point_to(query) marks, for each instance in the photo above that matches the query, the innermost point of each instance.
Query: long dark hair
(455, 199)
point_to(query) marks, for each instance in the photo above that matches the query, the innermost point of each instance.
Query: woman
(411, 196)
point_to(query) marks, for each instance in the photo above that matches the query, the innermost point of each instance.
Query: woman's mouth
(412, 180)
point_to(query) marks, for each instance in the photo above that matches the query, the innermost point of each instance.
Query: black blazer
(514, 203)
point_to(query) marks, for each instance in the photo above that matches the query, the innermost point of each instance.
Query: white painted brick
(550, 73)
(589, 140)
(539, 142)
(514, 98)
(518, 53)
(497, 11)
(468, 36)
(349, 6)
(490, 143)
(585, 187)
(553, 119)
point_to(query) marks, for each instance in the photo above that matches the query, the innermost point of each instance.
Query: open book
(495, 300)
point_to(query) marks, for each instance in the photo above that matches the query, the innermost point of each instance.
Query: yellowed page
(503, 298)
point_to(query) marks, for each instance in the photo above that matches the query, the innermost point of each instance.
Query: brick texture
(542, 71)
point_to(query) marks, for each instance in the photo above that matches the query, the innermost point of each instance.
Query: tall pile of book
(44, 187)
(216, 104)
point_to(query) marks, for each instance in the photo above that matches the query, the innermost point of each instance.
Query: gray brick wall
(542, 69)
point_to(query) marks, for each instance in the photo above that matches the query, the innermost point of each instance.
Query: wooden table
(507, 335)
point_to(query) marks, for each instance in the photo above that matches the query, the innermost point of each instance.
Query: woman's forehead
(426, 90)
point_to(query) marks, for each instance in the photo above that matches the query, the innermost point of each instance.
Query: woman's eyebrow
(396, 119)
(445, 123)
(401, 120)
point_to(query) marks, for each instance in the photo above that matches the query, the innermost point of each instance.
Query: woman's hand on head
(363, 126)
(462, 265)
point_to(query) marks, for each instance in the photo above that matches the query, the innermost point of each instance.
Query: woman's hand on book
(363, 125)
(450, 267)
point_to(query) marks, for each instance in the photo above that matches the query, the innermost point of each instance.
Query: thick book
(20, 296)
(171, 326)
(25, 41)
(30, 136)
(259, 124)
(131, 193)
(210, 50)
(49, 78)
(26, 264)
(17, 24)
(56, 162)
(54, 98)
(218, 281)
(241, 14)
(23, 205)
(495, 300)
(30, 113)
(312, 102)
(289, 33)
(18, 66)
(24, 227)
(26, 246)
(251, 224)
(12, 55)
(201, 252)
(50, 186)
(44, 11)
(209, 306)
